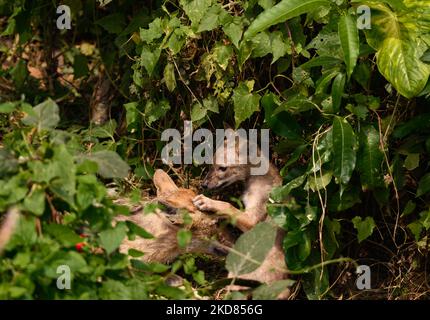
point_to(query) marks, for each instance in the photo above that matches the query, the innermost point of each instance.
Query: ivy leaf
(153, 32)
(234, 30)
(110, 164)
(211, 19)
(250, 249)
(44, 116)
(195, 9)
(245, 102)
(154, 111)
(111, 239)
(364, 227)
(348, 34)
(344, 156)
(149, 58)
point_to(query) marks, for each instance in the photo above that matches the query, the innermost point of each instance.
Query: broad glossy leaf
(398, 61)
(348, 34)
(337, 89)
(370, 158)
(250, 249)
(284, 10)
(344, 144)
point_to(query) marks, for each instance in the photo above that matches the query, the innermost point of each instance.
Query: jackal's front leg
(204, 203)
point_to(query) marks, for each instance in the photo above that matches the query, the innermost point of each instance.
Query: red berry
(80, 246)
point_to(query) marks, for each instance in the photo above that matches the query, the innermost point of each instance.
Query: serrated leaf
(344, 143)
(364, 227)
(370, 158)
(348, 34)
(250, 249)
(110, 164)
(245, 102)
(35, 201)
(284, 10)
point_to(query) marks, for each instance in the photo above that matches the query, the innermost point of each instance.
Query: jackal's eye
(222, 169)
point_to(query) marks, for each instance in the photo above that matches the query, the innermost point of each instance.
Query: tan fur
(164, 227)
(255, 197)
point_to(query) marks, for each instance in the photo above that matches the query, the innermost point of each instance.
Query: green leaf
(412, 161)
(149, 58)
(154, 111)
(195, 9)
(139, 231)
(35, 201)
(234, 30)
(111, 239)
(113, 23)
(344, 143)
(318, 181)
(153, 32)
(370, 158)
(271, 291)
(337, 89)
(169, 77)
(19, 73)
(398, 38)
(110, 164)
(250, 249)
(280, 193)
(399, 63)
(348, 34)
(64, 234)
(284, 10)
(44, 116)
(211, 19)
(8, 107)
(245, 102)
(184, 238)
(364, 227)
(424, 185)
(80, 66)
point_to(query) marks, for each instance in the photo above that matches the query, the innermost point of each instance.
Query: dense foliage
(346, 107)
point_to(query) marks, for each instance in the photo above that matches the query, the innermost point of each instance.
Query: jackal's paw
(203, 203)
